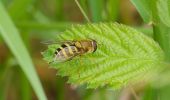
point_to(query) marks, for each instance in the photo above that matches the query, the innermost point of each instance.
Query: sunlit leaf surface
(123, 55)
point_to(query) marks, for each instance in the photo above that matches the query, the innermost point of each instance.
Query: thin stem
(82, 11)
(134, 93)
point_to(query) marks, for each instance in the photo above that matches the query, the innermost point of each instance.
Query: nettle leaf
(123, 56)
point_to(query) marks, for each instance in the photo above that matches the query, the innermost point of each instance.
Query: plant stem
(25, 90)
(134, 93)
(82, 11)
(162, 36)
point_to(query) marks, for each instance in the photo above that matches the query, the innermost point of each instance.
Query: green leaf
(11, 36)
(162, 35)
(163, 7)
(143, 6)
(150, 93)
(20, 9)
(59, 9)
(123, 56)
(96, 7)
(156, 11)
(113, 9)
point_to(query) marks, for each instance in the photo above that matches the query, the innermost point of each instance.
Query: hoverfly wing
(48, 42)
(64, 60)
(56, 42)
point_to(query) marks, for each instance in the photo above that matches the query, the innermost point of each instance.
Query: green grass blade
(25, 90)
(59, 9)
(113, 8)
(19, 9)
(11, 36)
(164, 93)
(84, 5)
(163, 7)
(150, 94)
(96, 8)
(144, 9)
(82, 11)
(149, 9)
(162, 35)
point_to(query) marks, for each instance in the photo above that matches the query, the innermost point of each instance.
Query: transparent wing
(57, 42)
(64, 60)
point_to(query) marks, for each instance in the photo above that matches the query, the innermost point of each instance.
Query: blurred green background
(41, 20)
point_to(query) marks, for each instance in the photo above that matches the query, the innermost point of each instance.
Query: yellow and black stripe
(66, 51)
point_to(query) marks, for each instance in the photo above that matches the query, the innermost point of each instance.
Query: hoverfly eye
(94, 45)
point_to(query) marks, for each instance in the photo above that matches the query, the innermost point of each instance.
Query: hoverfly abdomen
(66, 53)
(71, 49)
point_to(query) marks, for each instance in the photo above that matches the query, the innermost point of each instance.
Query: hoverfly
(70, 49)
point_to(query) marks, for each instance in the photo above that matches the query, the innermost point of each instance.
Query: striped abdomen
(66, 52)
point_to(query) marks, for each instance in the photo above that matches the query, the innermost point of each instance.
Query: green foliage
(162, 35)
(157, 11)
(163, 7)
(113, 8)
(150, 94)
(21, 6)
(82, 11)
(143, 6)
(96, 7)
(123, 55)
(11, 36)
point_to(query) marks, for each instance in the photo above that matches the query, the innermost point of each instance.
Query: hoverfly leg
(70, 59)
(81, 64)
(51, 62)
(55, 58)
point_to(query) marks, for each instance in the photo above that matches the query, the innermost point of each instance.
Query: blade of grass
(6, 77)
(83, 4)
(150, 94)
(164, 93)
(162, 35)
(59, 10)
(149, 9)
(144, 9)
(60, 87)
(96, 7)
(25, 90)
(113, 7)
(82, 11)
(2, 87)
(21, 7)
(11, 36)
